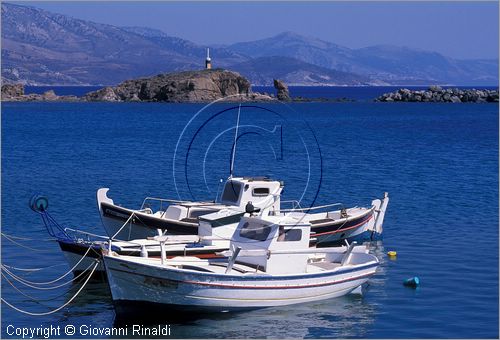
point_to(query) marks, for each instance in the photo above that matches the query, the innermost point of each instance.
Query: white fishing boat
(181, 217)
(270, 264)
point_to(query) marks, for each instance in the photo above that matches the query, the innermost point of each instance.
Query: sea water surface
(439, 163)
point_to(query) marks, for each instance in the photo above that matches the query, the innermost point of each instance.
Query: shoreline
(206, 86)
(295, 85)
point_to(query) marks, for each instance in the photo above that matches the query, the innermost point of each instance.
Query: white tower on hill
(208, 61)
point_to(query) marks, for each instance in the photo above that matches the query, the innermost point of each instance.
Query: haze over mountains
(44, 48)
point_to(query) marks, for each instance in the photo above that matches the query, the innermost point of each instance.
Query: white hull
(345, 235)
(159, 285)
(369, 230)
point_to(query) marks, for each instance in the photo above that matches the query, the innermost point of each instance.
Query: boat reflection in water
(344, 317)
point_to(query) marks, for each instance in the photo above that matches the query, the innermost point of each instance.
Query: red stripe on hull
(342, 230)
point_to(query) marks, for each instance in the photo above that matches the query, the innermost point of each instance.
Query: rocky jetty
(282, 89)
(180, 87)
(438, 94)
(15, 92)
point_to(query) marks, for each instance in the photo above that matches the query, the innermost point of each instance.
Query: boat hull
(142, 225)
(133, 284)
(79, 257)
(333, 233)
(362, 224)
(364, 227)
(326, 234)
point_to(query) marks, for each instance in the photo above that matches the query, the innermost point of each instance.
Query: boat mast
(234, 144)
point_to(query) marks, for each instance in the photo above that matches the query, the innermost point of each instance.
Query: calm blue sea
(439, 163)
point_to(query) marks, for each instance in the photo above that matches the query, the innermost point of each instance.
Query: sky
(458, 29)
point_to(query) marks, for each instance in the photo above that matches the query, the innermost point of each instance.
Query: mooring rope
(21, 292)
(48, 282)
(18, 279)
(34, 269)
(26, 238)
(59, 308)
(124, 224)
(22, 245)
(39, 301)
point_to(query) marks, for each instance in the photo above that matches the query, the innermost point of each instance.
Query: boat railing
(165, 203)
(87, 235)
(295, 204)
(341, 205)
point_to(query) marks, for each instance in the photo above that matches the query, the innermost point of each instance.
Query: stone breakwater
(437, 94)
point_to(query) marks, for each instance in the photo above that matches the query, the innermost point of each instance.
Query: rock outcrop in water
(188, 86)
(15, 92)
(282, 89)
(12, 91)
(438, 94)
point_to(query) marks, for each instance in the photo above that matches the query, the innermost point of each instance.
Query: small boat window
(231, 192)
(255, 231)
(260, 191)
(289, 235)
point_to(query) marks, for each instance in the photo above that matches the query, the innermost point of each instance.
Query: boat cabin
(268, 236)
(261, 191)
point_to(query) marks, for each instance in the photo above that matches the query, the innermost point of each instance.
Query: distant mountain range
(385, 64)
(44, 48)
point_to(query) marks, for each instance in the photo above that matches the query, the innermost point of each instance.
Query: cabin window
(289, 235)
(260, 192)
(255, 231)
(231, 192)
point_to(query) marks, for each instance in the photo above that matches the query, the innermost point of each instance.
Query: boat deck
(322, 266)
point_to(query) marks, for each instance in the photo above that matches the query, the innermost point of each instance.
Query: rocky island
(182, 87)
(440, 95)
(178, 87)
